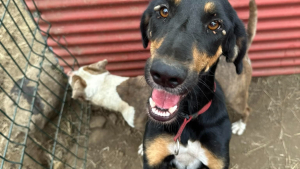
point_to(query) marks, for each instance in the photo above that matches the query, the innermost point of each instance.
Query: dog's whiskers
(202, 92)
(203, 82)
(196, 97)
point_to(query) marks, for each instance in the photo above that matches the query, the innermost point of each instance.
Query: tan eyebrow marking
(177, 2)
(209, 7)
(202, 60)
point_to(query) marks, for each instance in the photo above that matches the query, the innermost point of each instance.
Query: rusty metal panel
(97, 29)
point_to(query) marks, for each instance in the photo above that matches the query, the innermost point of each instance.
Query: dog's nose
(167, 75)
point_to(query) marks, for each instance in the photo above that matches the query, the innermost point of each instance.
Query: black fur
(185, 27)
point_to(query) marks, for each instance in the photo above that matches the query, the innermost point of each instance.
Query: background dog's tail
(252, 23)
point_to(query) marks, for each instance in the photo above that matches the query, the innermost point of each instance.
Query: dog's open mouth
(163, 106)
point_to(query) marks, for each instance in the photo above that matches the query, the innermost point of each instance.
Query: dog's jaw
(163, 107)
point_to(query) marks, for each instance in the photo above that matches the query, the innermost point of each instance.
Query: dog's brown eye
(164, 12)
(213, 25)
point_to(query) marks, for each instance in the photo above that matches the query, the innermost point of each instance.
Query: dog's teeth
(161, 113)
(172, 109)
(152, 109)
(152, 103)
(166, 114)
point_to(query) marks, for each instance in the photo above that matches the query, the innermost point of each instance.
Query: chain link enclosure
(40, 125)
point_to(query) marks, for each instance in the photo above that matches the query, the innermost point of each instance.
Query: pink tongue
(164, 100)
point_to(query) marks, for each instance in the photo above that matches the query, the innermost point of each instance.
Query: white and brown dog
(126, 95)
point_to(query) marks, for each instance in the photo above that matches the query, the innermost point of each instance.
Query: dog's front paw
(141, 151)
(238, 127)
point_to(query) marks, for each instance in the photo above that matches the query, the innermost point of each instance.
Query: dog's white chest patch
(190, 156)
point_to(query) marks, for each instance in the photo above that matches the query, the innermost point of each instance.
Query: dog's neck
(201, 94)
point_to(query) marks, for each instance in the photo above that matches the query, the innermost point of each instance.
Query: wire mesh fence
(40, 125)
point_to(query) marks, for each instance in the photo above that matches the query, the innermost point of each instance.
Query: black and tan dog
(189, 125)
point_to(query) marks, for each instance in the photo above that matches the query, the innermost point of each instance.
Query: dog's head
(85, 76)
(187, 38)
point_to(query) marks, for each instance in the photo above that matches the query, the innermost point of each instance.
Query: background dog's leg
(240, 126)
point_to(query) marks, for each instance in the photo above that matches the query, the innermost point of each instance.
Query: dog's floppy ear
(144, 26)
(235, 45)
(78, 85)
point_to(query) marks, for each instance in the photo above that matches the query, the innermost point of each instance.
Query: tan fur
(213, 161)
(209, 7)
(177, 2)
(214, 58)
(251, 28)
(96, 68)
(78, 88)
(157, 149)
(235, 87)
(202, 60)
(155, 45)
(80, 80)
(94, 71)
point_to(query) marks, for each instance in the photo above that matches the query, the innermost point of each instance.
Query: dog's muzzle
(167, 75)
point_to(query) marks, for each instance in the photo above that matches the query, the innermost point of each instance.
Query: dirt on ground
(23, 53)
(271, 140)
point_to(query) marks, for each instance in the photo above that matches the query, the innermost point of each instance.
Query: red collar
(204, 109)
